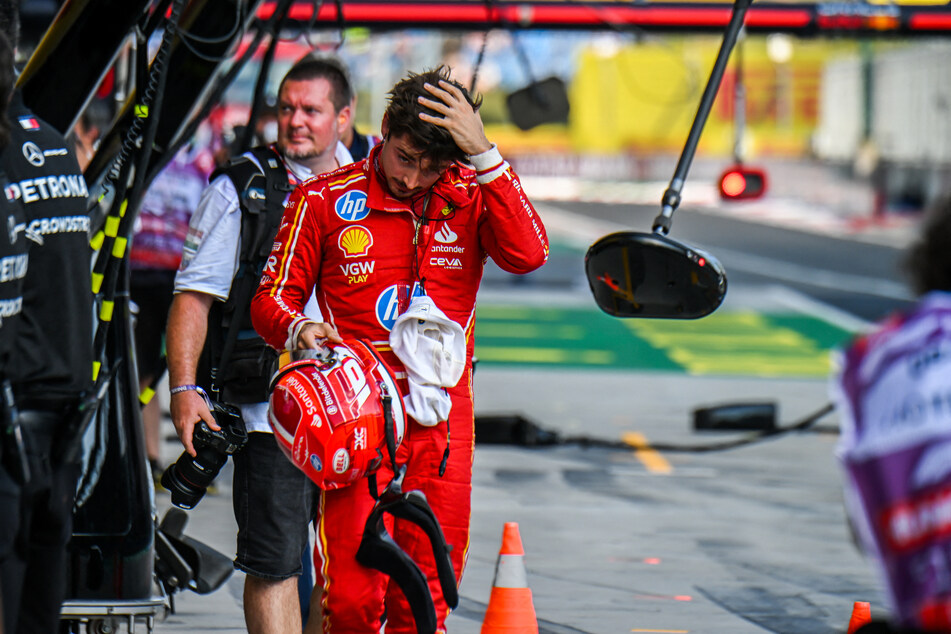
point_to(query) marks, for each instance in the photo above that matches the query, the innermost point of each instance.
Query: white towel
(427, 404)
(433, 349)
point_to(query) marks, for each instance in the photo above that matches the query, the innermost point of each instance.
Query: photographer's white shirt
(212, 250)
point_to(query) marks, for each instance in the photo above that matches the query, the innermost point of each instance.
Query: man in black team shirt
(14, 259)
(14, 262)
(52, 361)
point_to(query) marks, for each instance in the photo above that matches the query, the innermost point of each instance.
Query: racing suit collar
(451, 187)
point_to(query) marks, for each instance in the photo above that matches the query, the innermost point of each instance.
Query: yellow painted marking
(96, 242)
(518, 313)
(118, 249)
(515, 330)
(544, 355)
(141, 111)
(105, 313)
(97, 282)
(146, 395)
(723, 322)
(817, 365)
(770, 339)
(95, 370)
(651, 459)
(597, 357)
(735, 343)
(123, 207)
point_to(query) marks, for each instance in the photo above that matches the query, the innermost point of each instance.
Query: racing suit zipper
(420, 223)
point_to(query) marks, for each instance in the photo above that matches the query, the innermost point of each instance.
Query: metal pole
(671, 198)
(739, 104)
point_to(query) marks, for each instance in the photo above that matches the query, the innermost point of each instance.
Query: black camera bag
(236, 363)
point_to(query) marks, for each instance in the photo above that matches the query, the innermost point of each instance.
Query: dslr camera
(188, 479)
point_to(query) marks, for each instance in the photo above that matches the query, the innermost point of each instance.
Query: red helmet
(327, 411)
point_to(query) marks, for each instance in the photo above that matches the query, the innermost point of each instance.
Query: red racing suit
(364, 252)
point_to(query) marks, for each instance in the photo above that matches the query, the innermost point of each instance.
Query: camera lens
(187, 480)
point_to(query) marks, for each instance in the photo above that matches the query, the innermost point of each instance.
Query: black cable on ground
(747, 439)
(521, 432)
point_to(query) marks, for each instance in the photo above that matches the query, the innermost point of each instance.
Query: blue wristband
(187, 388)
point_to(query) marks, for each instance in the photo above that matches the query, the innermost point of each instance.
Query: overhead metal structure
(116, 549)
(803, 19)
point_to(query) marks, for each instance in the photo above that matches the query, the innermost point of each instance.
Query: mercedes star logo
(33, 153)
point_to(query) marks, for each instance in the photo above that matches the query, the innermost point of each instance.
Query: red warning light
(742, 183)
(733, 184)
(702, 261)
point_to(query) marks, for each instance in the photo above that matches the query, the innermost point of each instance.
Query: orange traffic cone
(510, 610)
(861, 615)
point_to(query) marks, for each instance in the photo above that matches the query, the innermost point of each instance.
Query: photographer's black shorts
(273, 504)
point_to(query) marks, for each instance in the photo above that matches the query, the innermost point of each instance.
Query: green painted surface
(729, 343)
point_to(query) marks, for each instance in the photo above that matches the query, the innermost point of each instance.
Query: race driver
(409, 220)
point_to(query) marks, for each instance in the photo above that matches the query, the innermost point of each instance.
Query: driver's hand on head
(312, 335)
(188, 409)
(458, 117)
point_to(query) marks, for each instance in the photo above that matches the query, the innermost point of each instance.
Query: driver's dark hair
(402, 115)
(928, 261)
(319, 66)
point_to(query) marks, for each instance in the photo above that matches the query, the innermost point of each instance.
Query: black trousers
(35, 527)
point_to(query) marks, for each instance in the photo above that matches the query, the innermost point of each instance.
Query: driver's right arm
(185, 338)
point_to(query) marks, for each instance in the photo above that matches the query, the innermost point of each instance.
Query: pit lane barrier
(510, 607)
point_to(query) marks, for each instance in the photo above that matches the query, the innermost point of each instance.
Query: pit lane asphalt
(748, 540)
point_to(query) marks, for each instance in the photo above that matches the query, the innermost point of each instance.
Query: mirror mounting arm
(669, 204)
(672, 195)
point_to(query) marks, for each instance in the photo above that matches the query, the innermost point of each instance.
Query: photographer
(273, 500)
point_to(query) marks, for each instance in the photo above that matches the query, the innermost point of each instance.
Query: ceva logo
(352, 206)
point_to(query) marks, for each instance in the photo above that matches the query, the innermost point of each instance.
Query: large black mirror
(540, 102)
(649, 275)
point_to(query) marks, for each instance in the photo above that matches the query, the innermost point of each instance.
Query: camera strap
(261, 193)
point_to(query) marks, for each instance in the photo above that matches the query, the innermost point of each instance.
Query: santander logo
(445, 235)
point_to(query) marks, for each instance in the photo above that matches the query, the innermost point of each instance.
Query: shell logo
(355, 242)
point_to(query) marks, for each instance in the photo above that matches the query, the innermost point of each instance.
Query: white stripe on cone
(510, 572)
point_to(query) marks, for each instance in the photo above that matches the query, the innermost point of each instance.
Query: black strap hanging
(261, 193)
